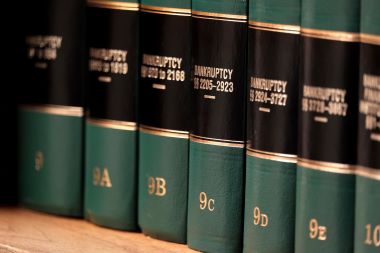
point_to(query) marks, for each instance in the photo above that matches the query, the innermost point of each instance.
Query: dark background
(11, 71)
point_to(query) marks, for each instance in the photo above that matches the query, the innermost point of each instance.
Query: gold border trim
(370, 39)
(114, 124)
(293, 29)
(113, 5)
(278, 157)
(368, 172)
(216, 142)
(61, 110)
(327, 166)
(219, 16)
(165, 10)
(330, 35)
(164, 132)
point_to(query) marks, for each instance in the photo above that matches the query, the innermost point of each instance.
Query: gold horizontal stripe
(326, 166)
(330, 35)
(275, 27)
(61, 110)
(278, 157)
(216, 142)
(165, 10)
(113, 5)
(368, 172)
(114, 124)
(370, 39)
(220, 16)
(164, 132)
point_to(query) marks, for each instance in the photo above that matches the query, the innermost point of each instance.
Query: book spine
(273, 55)
(216, 170)
(51, 117)
(111, 128)
(164, 113)
(367, 215)
(328, 126)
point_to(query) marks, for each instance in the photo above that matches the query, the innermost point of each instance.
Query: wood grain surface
(25, 231)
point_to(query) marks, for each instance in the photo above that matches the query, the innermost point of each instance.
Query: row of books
(189, 133)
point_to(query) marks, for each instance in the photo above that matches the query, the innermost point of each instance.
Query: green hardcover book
(164, 116)
(51, 114)
(111, 128)
(329, 72)
(367, 213)
(216, 170)
(273, 55)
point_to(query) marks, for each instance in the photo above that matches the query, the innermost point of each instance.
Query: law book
(367, 215)
(217, 140)
(272, 108)
(51, 115)
(164, 116)
(111, 120)
(325, 194)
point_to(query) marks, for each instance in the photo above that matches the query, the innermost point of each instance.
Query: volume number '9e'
(316, 231)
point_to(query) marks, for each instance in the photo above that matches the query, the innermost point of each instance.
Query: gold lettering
(205, 203)
(38, 161)
(105, 60)
(43, 47)
(316, 231)
(372, 238)
(259, 219)
(101, 177)
(161, 187)
(157, 186)
(162, 68)
(106, 180)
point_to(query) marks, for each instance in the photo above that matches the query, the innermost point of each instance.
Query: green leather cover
(370, 18)
(270, 187)
(116, 151)
(328, 198)
(218, 172)
(275, 11)
(338, 15)
(50, 162)
(367, 218)
(163, 217)
(234, 7)
(168, 3)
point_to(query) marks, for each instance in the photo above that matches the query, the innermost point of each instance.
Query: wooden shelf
(25, 231)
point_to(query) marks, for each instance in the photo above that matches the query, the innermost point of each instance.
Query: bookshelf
(25, 231)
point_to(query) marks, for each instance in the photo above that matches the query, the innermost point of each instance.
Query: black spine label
(113, 63)
(328, 100)
(55, 56)
(219, 78)
(165, 88)
(272, 91)
(369, 107)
